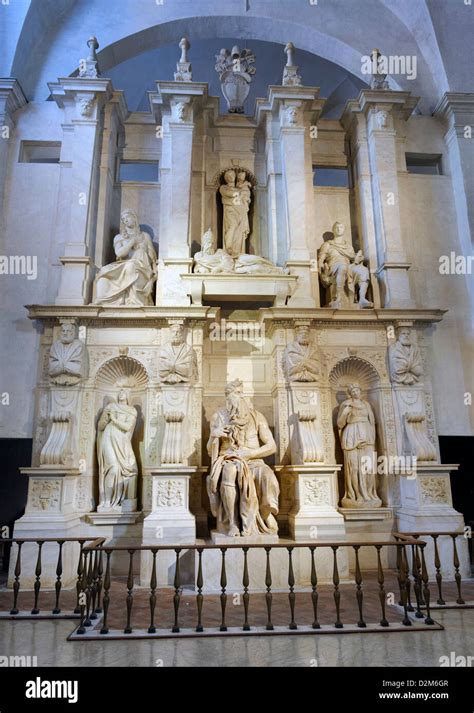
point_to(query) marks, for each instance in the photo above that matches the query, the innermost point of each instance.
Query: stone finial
(379, 79)
(184, 71)
(291, 78)
(89, 68)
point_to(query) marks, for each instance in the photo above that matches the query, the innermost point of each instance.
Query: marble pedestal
(427, 506)
(170, 521)
(275, 289)
(370, 525)
(314, 514)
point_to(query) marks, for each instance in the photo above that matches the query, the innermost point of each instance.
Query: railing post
(314, 591)
(402, 582)
(59, 571)
(16, 583)
(337, 594)
(177, 593)
(246, 595)
(381, 580)
(37, 584)
(359, 594)
(106, 601)
(439, 577)
(80, 565)
(426, 589)
(291, 585)
(268, 594)
(199, 596)
(128, 626)
(223, 595)
(457, 575)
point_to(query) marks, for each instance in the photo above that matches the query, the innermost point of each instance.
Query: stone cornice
(134, 315)
(11, 96)
(374, 316)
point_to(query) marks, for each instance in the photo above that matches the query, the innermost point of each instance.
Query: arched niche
(123, 372)
(347, 371)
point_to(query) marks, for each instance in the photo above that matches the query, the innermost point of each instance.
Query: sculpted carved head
(128, 220)
(338, 229)
(122, 397)
(354, 390)
(68, 333)
(229, 177)
(302, 336)
(404, 336)
(241, 177)
(177, 334)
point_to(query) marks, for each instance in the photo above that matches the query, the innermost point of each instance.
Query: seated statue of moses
(243, 490)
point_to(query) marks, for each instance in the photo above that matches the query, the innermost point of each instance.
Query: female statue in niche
(128, 281)
(356, 424)
(236, 198)
(118, 469)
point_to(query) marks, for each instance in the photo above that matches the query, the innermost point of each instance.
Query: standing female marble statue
(118, 468)
(128, 281)
(236, 199)
(356, 424)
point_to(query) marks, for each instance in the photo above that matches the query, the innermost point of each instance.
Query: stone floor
(47, 641)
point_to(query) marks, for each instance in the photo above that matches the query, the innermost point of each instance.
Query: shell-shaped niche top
(121, 372)
(354, 369)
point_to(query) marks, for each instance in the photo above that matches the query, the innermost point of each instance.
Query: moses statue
(129, 281)
(118, 470)
(243, 490)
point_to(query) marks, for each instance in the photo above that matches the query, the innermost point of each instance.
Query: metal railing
(53, 609)
(455, 600)
(176, 609)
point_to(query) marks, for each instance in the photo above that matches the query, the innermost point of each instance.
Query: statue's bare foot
(234, 531)
(365, 304)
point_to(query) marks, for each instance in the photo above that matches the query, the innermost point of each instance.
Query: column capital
(177, 99)
(85, 90)
(369, 100)
(457, 108)
(279, 98)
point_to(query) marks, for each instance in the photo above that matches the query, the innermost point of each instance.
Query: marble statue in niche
(406, 365)
(129, 281)
(118, 469)
(236, 199)
(243, 490)
(235, 72)
(67, 358)
(356, 426)
(211, 261)
(342, 271)
(177, 360)
(300, 360)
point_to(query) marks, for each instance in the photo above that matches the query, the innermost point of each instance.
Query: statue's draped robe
(128, 281)
(117, 462)
(254, 264)
(297, 367)
(177, 363)
(256, 482)
(217, 262)
(337, 256)
(67, 362)
(236, 222)
(406, 365)
(357, 435)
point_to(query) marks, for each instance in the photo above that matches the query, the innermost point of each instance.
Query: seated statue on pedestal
(356, 424)
(129, 281)
(342, 270)
(243, 490)
(211, 261)
(67, 357)
(118, 470)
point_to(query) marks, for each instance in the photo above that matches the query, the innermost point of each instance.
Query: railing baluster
(416, 571)
(223, 596)
(88, 574)
(80, 565)
(37, 584)
(128, 627)
(314, 591)
(402, 582)
(83, 594)
(95, 570)
(291, 585)
(439, 577)
(153, 582)
(381, 581)
(457, 575)
(98, 609)
(246, 595)
(426, 589)
(106, 601)
(268, 594)
(199, 596)
(359, 594)
(16, 583)
(59, 571)
(177, 593)
(337, 594)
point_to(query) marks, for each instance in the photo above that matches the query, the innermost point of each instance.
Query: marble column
(456, 110)
(11, 99)
(175, 105)
(382, 109)
(294, 110)
(82, 99)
